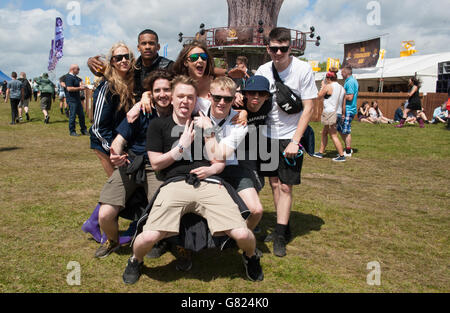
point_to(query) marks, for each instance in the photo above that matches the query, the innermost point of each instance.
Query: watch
(209, 132)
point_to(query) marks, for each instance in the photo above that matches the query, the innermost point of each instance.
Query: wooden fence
(389, 102)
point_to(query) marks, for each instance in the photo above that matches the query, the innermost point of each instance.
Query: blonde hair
(184, 80)
(123, 87)
(224, 83)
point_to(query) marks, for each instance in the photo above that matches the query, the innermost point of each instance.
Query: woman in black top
(414, 103)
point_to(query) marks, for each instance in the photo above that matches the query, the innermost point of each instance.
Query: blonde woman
(113, 98)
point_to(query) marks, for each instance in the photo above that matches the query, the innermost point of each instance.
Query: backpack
(27, 92)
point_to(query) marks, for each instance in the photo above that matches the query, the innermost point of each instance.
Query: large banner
(362, 54)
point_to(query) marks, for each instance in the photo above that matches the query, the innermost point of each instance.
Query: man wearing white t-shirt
(286, 129)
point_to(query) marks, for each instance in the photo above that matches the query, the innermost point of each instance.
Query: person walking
(27, 94)
(47, 89)
(14, 92)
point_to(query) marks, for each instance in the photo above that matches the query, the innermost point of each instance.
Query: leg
(275, 185)
(251, 199)
(324, 141)
(81, 118)
(72, 117)
(145, 241)
(108, 219)
(336, 141)
(244, 239)
(106, 163)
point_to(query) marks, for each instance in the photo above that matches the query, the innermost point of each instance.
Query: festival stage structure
(249, 24)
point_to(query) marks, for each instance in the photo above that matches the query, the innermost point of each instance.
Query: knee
(274, 183)
(256, 209)
(241, 234)
(285, 188)
(107, 213)
(148, 237)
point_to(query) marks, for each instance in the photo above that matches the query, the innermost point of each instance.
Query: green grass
(388, 203)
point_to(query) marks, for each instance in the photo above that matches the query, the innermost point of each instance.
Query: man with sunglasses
(74, 86)
(286, 129)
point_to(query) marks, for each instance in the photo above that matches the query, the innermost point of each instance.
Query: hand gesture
(188, 135)
(146, 102)
(241, 118)
(202, 121)
(239, 99)
(237, 73)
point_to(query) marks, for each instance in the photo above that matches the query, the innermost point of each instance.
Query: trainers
(318, 155)
(28, 116)
(287, 237)
(159, 249)
(133, 271)
(20, 119)
(74, 134)
(339, 158)
(47, 119)
(184, 259)
(84, 132)
(109, 247)
(279, 245)
(253, 267)
(348, 154)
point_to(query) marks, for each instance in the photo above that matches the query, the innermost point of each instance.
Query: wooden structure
(389, 102)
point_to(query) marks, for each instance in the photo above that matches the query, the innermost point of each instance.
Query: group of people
(339, 109)
(371, 113)
(198, 146)
(19, 92)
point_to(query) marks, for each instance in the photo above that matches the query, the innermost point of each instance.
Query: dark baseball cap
(257, 83)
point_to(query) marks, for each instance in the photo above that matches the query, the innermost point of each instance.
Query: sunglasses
(194, 57)
(217, 98)
(283, 49)
(119, 57)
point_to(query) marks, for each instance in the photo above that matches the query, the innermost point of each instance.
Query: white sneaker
(347, 155)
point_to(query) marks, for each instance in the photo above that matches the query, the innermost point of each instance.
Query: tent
(397, 71)
(3, 77)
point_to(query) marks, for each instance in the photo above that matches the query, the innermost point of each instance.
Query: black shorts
(288, 174)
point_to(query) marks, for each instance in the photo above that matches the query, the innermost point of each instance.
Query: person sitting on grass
(398, 115)
(177, 158)
(376, 116)
(363, 113)
(440, 114)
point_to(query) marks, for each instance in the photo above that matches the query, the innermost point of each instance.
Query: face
(119, 60)
(161, 93)
(76, 70)
(240, 65)
(255, 99)
(184, 98)
(148, 46)
(279, 57)
(196, 69)
(220, 102)
(344, 73)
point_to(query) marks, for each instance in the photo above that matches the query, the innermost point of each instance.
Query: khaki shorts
(24, 103)
(209, 200)
(119, 187)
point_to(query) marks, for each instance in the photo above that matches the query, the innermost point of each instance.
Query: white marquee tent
(396, 72)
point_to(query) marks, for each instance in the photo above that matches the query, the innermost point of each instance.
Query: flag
(314, 65)
(408, 48)
(166, 46)
(332, 63)
(382, 53)
(56, 50)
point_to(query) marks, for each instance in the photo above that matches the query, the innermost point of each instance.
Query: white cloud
(26, 34)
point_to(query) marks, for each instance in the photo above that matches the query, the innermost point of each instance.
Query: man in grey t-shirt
(15, 93)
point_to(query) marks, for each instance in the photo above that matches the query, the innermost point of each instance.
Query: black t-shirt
(73, 81)
(251, 143)
(163, 135)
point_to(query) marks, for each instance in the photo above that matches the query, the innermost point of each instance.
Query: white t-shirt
(329, 105)
(229, 134)
(300, 78)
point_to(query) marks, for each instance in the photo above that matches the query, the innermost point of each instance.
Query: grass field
(389, 203)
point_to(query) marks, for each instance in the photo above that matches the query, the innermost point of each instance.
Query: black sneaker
(133, 271)
(106, 249)
(47, 119)
(74, 134)
(184, 259)
(159, 249)
(84, 132)
(287, 237)
(253, 267)
(28, 116)
(279, 245)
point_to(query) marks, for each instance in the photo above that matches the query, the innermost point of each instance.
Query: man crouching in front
(175, 157)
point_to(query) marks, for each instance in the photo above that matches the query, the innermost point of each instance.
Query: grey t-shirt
(15, 87)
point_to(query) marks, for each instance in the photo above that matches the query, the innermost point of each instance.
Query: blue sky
(26, 27)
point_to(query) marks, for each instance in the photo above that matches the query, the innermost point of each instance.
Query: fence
(389, 102)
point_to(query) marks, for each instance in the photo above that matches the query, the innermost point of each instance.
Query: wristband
(180, 148)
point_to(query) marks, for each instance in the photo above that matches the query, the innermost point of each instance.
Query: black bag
(287, 100)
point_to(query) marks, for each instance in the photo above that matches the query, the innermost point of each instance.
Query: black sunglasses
(217, 98)
(119, 57)
(194, 57)
(283, 49)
